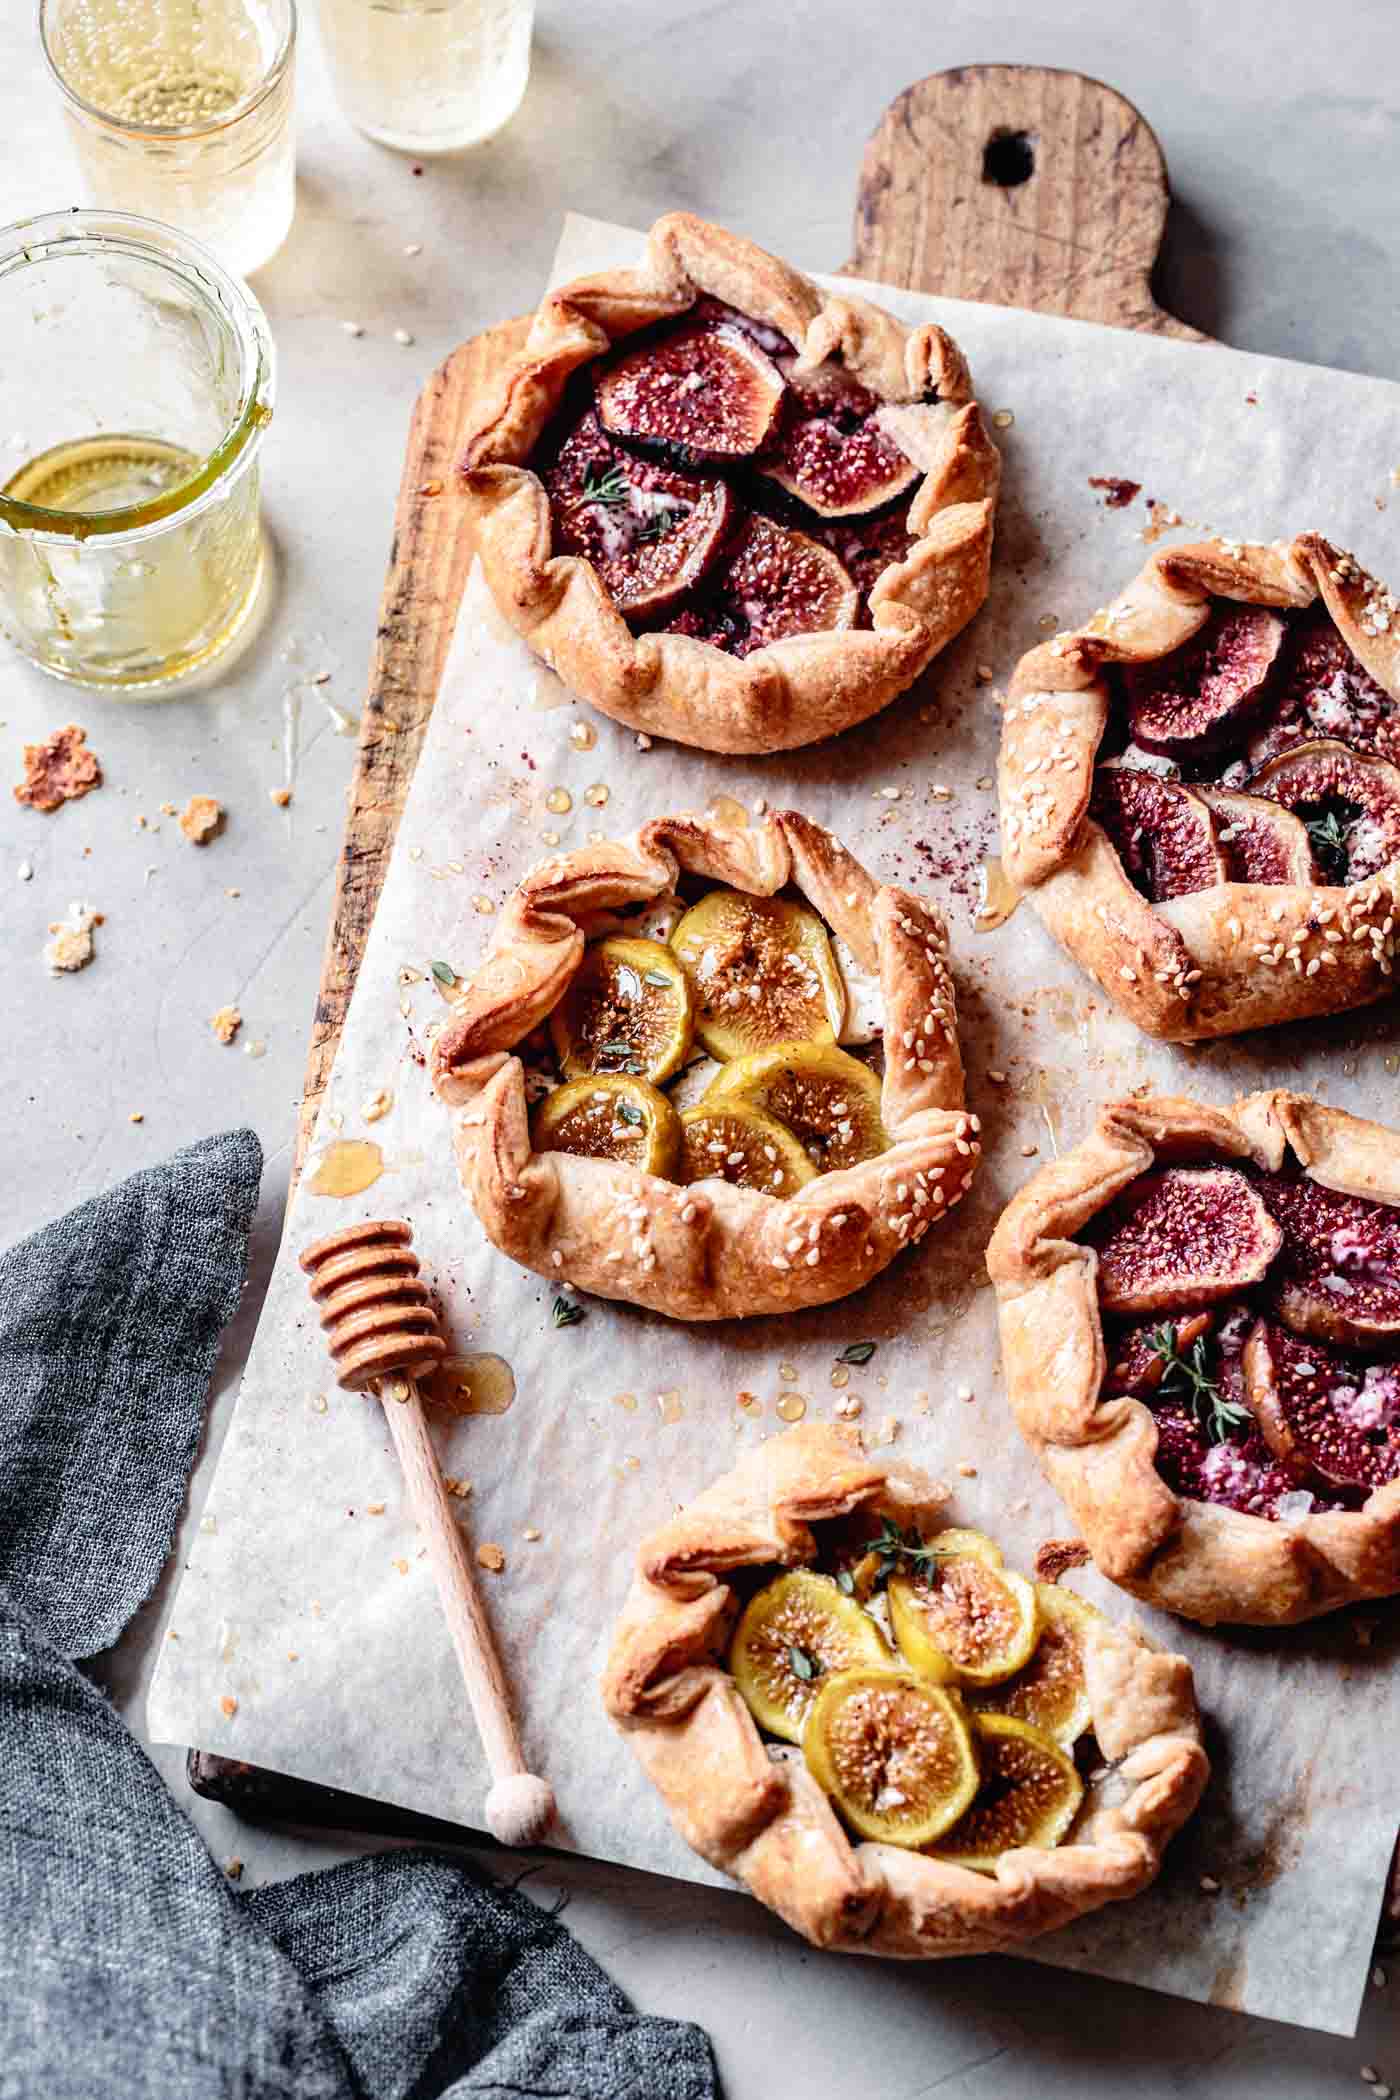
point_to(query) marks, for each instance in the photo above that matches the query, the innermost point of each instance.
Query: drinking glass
(428, 76)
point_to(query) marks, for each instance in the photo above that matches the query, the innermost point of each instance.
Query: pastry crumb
(201, 819)
(491, 1557)
(402, 1566)
(533, 1533)
(374, 1509)
(137, 1115)
(228, 1706)
(460, 1488)
(59, 770)
(966, 1469)
(71, 947)
(377, 1105)
(281, 796)
(234, 1868)
(226, 1024)
(1057, 1556)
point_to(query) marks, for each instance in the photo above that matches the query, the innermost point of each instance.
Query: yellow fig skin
(761, 971)
(627, 1012)
(829, 1101)
(593, 1119)
(969, 1623)
(732, 1142)
(810, 1613)
(894, 1753)
(1049, 1693)
(1033, 1796)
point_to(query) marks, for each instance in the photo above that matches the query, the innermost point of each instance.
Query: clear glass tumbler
(428, 76)
(136, 385)
(181, 110)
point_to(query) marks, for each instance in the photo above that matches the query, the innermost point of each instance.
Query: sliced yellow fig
(1164, 835)
(768, 583)
(734, 1143)
(709, 388)
(1180, 1239)
(894, 1753)
(651, 531)
(1261, 842)
(1349, 803)
(628, 1010)
(761, 971)
(827, 1099)
(962, 1618)
(1030, 1795)
(830, 451)
(1049, 1693)
(611, 1116)
(795, 1634)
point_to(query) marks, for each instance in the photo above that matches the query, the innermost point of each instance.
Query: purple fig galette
(725, 505)
(1200, 790)
(1200, 1324)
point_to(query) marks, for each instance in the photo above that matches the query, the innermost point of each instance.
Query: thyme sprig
(565, 1313)
(803, 1663)
(610, 488)
(1187, 1377)
(1329, 835)
(894, 1547)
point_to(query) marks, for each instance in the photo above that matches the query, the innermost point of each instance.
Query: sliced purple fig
(1338, 1276)
(1349, 803)
(1164, 835)
(713, 313)
(1136, 1362)
(1182, 1239)
(867, 546)
(710, 389)
(1204, 693)
(649, 530)
(1322, 690)
(1331, 1419)
(1260, 840)
(830, 451)
(768, 584)
(1237, 1472)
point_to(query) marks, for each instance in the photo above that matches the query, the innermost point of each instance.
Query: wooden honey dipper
(381, 1325)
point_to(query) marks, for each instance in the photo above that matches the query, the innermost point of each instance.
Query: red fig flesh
(1322, 690)
(1164, 835)
(1330, 1419)
(1135, 1361)
(769, 583)
(650, 531)
(1181, 1239)
(1261, 841)
(708, 388)
(1203, 694)
(831, 453)
(1338, 1277)
(1350, 804)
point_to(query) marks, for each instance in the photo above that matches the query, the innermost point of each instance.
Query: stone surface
(1283, 140)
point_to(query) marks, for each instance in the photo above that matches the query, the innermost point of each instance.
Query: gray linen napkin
(129, 1965)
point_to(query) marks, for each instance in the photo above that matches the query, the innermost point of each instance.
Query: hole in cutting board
(1008, 158)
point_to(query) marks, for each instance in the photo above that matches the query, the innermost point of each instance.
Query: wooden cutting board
(1013, 184)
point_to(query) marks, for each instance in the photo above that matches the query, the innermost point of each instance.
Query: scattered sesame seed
(401, 335)
(352, 328)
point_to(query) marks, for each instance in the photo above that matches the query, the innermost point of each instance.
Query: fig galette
(1200, 1324)
(726, 506)
(808, 1657)
(676, 1006)
(1200, 790)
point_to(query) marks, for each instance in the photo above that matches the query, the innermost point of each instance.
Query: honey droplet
(479, 1384)
(347, 1167)
(998, 896)
(627, 1401)
(551, 838)
(792, 1406)
(559, 800)
(582, 735)
(1392, 1064)
(788, 1373)
(840, 1376)
(483, 905)
(750, 1404)
(670, 1405)
(596, 796)
(1003, 418)
(725, 810)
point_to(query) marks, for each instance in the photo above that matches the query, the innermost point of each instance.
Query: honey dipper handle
(519, 1807)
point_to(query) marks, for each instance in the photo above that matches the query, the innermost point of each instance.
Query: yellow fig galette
(1200, 1324)
(1200, 790)
(891, 1738)
(726, 506)
(743, 1060)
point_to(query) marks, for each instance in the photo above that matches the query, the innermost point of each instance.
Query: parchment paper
(307, 1600)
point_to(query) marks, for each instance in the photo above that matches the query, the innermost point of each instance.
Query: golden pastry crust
(796, 690)
(1237, 955)
(1201, 1560)
(755, 1811)
(709, 1251)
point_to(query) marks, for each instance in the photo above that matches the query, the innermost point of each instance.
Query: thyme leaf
(856, 1353)
(565, 1313)
(444, 972)
(660, 523)
(803, 1663)
(610, 488)
(657, 977)
(893, 1547)
(626, 1113)
(1329, 834)
(1188, 1378)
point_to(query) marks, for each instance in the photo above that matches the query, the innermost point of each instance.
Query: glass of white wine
(181, 110)
(136, 385)
(428, 76)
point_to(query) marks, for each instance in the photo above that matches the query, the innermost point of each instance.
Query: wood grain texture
(1079, 236)
(1074, 225)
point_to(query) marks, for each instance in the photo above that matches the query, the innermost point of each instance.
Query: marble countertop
(1283, 140)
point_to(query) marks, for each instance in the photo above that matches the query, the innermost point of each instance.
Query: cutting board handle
(1021, 185)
